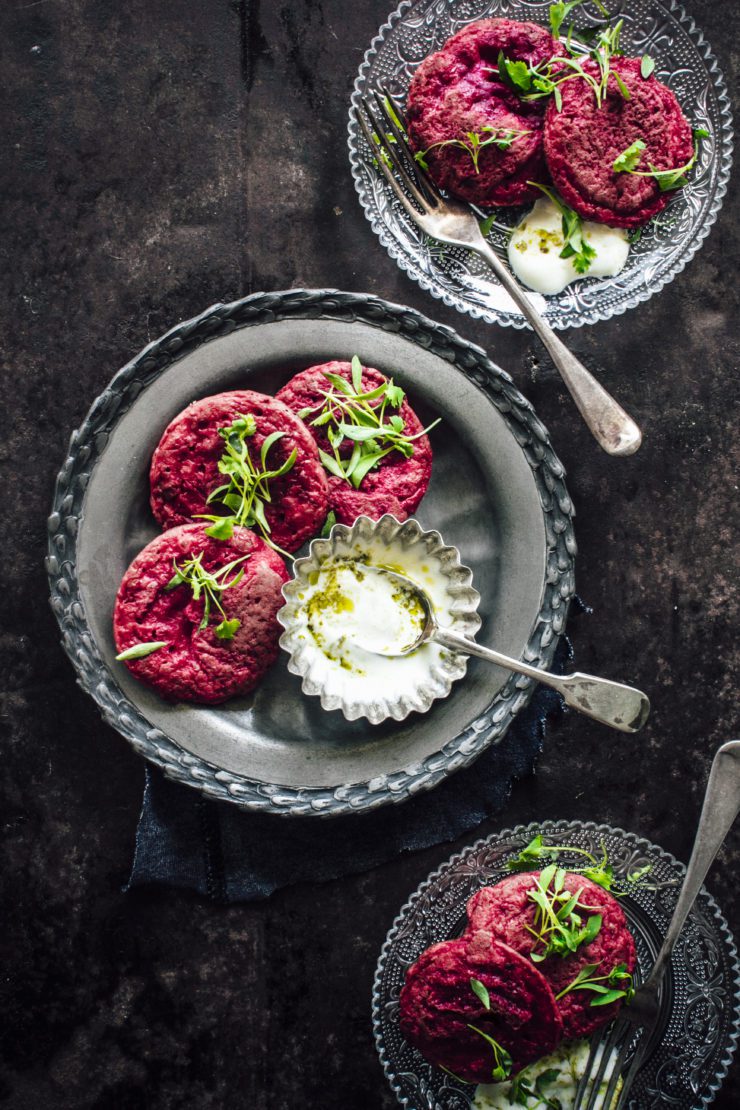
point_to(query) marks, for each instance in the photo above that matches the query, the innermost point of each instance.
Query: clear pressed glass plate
(684, 62)
(700, 1003)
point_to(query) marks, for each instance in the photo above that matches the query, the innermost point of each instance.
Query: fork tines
(379, 123)
(602, 1068)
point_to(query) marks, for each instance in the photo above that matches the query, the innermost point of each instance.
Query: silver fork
(454, 223)
(631, 1033)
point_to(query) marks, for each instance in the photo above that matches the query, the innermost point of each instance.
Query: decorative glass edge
(529, 831)
(593, 315)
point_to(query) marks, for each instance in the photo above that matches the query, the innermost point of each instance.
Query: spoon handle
(612, 428)
(721, 807)
(611, 703)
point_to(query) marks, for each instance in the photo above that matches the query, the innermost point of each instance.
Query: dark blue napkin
(228, 855)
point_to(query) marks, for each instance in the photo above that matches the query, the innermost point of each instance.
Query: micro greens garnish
(576, 246)
(480, 992)
(388, 135)
(559, 12)
(247, 491)
(667, 179)
(474, 142)
(140, 651)
(502, 1059)
(331, 520)
(599, 871)
(585, 980)
(557, 925)
(210, 586)
(545, 79)
(647, 65)
(459, 1078)
(629, 158)
(349, 413)
(521, 1092)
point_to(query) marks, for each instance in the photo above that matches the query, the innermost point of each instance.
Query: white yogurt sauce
(348, 605)
(536, 243)
(569, 1061)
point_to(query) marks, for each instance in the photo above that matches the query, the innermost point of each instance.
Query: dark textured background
(160, 155)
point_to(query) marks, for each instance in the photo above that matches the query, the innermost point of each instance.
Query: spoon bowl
(612, 703)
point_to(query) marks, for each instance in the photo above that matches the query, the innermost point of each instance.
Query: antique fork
(637, 1021)
(455, 223)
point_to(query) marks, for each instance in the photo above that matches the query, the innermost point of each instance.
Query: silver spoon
(620, 707)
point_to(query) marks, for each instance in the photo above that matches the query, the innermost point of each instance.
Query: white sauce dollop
(536, 243)
(348, 606)
(569, 1061)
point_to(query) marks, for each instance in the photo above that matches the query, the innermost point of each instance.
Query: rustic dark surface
(160, 156)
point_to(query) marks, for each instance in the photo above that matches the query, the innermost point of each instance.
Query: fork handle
(721, 807)
(607, 421)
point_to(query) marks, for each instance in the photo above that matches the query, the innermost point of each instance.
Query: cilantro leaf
(226, 629)
(647, 65)
(630, 157)
(515, 74)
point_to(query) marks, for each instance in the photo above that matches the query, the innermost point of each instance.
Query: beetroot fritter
(438, 1005)
(184, 468)
(505, 911)
(583, 140)
(397, 484)
(457, 91)
(196, 665)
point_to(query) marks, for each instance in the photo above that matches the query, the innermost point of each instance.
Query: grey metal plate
(496, 492)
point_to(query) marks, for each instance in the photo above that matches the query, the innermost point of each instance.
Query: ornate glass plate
(497, 491)
(684, 62)
(700, 1002)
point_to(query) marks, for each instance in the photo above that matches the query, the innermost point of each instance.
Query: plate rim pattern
(594, 314)
(530, 830)
(89, 440)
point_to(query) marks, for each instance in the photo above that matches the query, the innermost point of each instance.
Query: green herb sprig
(502, 1060)
(544, 79)
(364, 418)
(476, 141)
(629, 159)
(247, 491)
(576, 246)
(209, 586)
(614, 985)
(140, 651)
(558, 926)
(598, 870)
(521, 1091)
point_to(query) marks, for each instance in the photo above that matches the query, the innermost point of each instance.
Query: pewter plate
(695, 1040)
(684, 62)
(497, 492)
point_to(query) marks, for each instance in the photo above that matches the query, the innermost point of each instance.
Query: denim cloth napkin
(228, 855)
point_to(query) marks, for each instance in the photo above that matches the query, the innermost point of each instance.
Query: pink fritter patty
(505, 911)
(583, 140)
(456, 91)
(397, 484)
(184, 466)
(196, 665)
(438, 1004)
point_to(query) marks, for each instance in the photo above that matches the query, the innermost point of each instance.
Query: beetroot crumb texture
(583, 140)
(184, 469)
(506, 912)
(195, 665)
(397, 484)
(457, 90)
(438, 1006)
